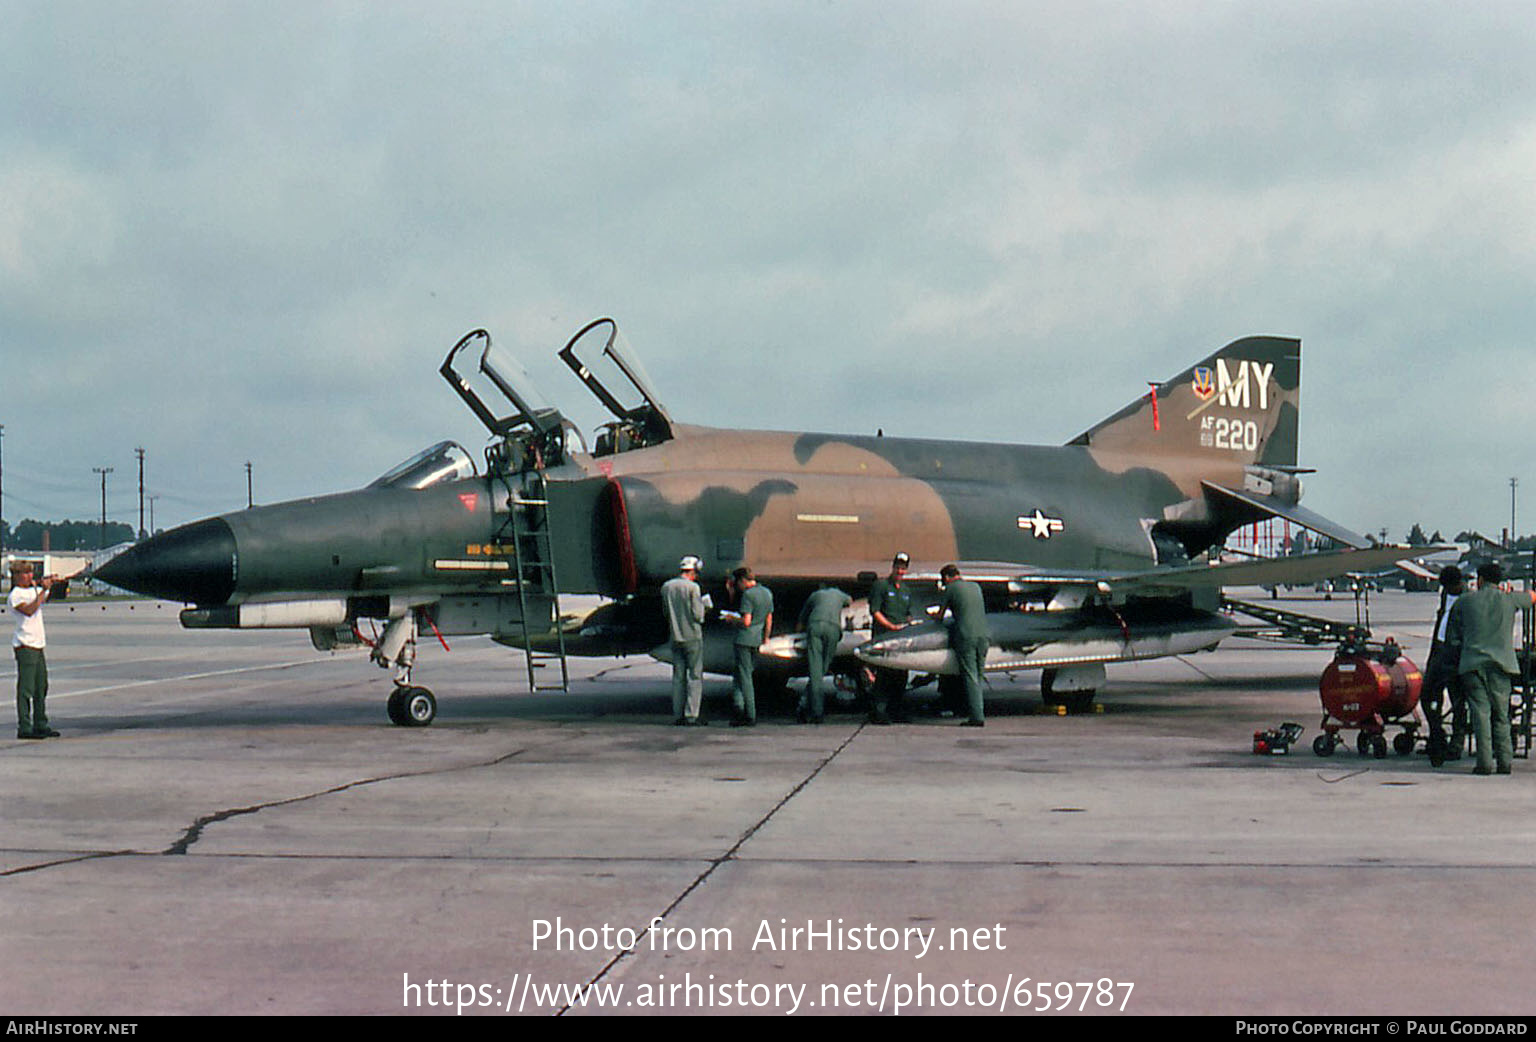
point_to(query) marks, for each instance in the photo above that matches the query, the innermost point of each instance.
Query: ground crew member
(27, 600)
(684, 606)
(1483, 623)
(890, 608)
(967, 636)
(754, 622)
(1440, 680)
(822, 621)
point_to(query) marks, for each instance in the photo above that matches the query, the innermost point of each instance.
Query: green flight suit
(888, 697)
(969, 639)
(758, 603)
(1483, 622)
(822, 621)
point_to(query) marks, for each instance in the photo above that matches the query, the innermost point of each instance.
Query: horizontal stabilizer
(1292, 512)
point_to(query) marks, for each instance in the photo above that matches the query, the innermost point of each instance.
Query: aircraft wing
(1300, 569)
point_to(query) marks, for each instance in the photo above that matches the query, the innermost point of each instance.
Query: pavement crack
(715, 863)
(194, 832)
(95, 855)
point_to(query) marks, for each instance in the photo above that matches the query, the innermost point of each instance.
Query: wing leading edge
(1303, 568)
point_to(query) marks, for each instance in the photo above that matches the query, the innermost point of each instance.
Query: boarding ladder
(538, 587)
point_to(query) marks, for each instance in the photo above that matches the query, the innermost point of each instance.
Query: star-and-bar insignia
(1043, 526)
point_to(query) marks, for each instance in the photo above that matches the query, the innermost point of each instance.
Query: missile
(790, 647)
(1052, 639)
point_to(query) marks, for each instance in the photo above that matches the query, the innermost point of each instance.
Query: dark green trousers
(972, 653)
(743, 696)
(820, 645)
(1487, 690)
(31, 690)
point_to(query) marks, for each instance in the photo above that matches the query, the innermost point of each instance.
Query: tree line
(64, 535)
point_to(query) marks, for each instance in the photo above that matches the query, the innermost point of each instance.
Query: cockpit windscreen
(445, 461)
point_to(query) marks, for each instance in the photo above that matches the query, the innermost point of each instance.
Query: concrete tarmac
(230, 825)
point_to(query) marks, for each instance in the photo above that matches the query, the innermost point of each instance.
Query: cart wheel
(1363, 744)
(1323, 745)
(1402, 744)
(1379, 746)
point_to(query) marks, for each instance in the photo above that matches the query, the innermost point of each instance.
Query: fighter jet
(1091, 552)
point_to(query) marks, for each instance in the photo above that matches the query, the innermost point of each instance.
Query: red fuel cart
(1369, 687)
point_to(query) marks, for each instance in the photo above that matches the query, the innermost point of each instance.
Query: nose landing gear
(408, 706)
(412, 706)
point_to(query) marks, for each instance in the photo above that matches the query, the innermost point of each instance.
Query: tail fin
(1239, 405)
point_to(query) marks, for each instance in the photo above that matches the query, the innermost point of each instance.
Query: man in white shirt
(26, 601)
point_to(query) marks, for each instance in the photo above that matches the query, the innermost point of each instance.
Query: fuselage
(798, 508)
(431, 544)
(824, 507)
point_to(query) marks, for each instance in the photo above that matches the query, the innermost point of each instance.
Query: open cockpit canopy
(602, 360)
(506, 375)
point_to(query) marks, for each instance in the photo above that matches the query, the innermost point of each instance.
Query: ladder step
(533, 548)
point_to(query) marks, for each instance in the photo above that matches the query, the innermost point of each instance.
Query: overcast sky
(250, 231)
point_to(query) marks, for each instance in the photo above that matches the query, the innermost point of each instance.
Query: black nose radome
(194, 564)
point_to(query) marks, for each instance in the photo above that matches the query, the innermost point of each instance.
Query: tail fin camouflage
(1239, 406)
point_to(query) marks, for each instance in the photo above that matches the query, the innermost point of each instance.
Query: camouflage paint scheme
(1152, 487)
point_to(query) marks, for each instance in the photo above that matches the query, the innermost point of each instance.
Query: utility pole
(101, 540)
(1513, 484)
(140, 453)
(250, 500)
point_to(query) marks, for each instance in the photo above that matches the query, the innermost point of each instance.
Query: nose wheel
(412, 706)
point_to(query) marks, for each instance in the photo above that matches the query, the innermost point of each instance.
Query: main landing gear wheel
(412, 707)
(1402, 743)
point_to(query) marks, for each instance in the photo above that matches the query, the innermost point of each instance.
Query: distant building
(69, 563)
(66, 564)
